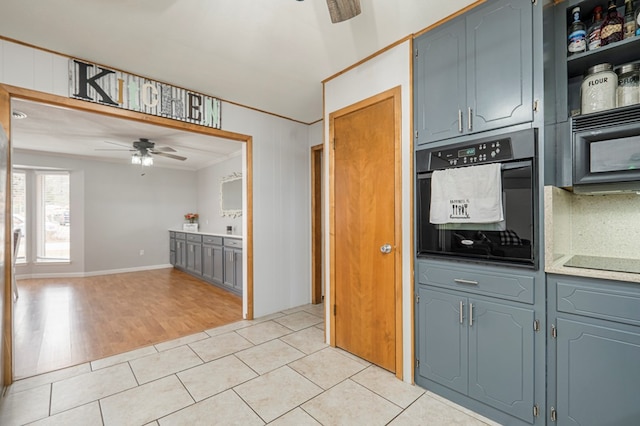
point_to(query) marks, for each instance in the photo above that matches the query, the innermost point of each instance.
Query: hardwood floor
(60, 322)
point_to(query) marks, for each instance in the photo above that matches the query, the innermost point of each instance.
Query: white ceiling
(267, 54)
(66, 132)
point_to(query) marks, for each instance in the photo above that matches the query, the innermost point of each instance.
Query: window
(41, 211)
(19, 193)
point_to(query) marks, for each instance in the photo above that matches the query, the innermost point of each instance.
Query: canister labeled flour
(628, 84)
(598, 90)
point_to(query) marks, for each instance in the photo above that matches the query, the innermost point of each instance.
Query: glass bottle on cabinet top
(629, 20)
(611, 30)
(593, 36)
(577, 37)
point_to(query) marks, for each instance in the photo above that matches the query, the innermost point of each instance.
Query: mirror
(231, 195)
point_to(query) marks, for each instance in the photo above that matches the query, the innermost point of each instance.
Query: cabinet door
(500, 64)
(237, 264)
(194, 258)
(597, 374)
(181, 253)
(439, 83)
(229, 269)
(218, 264)
(207, 262)
(501, 357)
(442, 339)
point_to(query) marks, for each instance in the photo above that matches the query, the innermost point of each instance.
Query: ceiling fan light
(147, 160)
(341, 10)
(136, 159)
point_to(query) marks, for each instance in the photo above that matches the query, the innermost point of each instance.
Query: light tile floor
(276, 369)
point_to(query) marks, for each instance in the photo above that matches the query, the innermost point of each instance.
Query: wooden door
(364, 221)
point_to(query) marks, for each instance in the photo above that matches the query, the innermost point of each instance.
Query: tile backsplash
(600, 225)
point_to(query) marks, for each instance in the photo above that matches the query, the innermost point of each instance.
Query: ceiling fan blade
(341, 10)
(164, 149)
(124, 145)
(175, 157)
(114, 149)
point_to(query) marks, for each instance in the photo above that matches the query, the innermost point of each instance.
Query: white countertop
(589, 225)
(557, 267)
(215, 234)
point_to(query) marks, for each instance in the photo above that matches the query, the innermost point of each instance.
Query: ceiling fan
(142, 150)
(342, 10)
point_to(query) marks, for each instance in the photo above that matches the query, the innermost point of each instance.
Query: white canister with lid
(628, 84)
(598, 90)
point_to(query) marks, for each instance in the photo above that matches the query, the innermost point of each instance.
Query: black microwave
(607, 158)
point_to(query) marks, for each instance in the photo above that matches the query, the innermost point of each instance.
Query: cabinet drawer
(172, 234)
(599, 299)
(181, 235)
(232, 242)
(194, 238)
(208, 239)
(506, 286)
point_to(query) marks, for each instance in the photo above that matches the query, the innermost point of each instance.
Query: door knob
(386, 248)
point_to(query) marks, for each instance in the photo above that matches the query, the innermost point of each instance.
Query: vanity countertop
(215, 234)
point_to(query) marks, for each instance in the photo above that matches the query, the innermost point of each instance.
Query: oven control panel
(466, 155)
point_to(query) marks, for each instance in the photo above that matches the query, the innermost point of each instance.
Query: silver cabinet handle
(386, 248)
(470, 314)
(461, 314)
(470, 124)
(459, 121)
(461, 281)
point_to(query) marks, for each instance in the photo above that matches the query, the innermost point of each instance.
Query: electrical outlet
(141, 252)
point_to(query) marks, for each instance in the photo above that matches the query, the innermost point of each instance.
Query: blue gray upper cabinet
(440, 83)
(475, 73)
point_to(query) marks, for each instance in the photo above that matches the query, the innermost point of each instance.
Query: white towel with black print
(467, 195)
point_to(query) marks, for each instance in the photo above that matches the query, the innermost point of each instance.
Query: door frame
(395, 95)
(317, 237)
(7, 93)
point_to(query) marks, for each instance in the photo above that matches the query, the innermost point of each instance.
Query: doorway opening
(128, 119)
(317, 241)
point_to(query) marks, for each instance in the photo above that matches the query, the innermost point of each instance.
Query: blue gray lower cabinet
(194, 254)
(180, 253)
(212, 265)
(594, 357)
(205, 256)
(478, 346)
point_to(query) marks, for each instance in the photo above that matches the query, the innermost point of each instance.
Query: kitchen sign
(95, 83)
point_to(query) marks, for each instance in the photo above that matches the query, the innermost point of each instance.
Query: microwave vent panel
(605, 119)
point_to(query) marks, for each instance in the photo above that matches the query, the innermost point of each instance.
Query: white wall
(386, 71)
(115, 213)
(315, 133)
(281, 207)
(209, 180)
(281, 178)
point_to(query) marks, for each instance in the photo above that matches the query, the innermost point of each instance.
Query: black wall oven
(509, 241)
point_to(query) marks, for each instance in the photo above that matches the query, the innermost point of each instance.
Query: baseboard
(92, 273)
